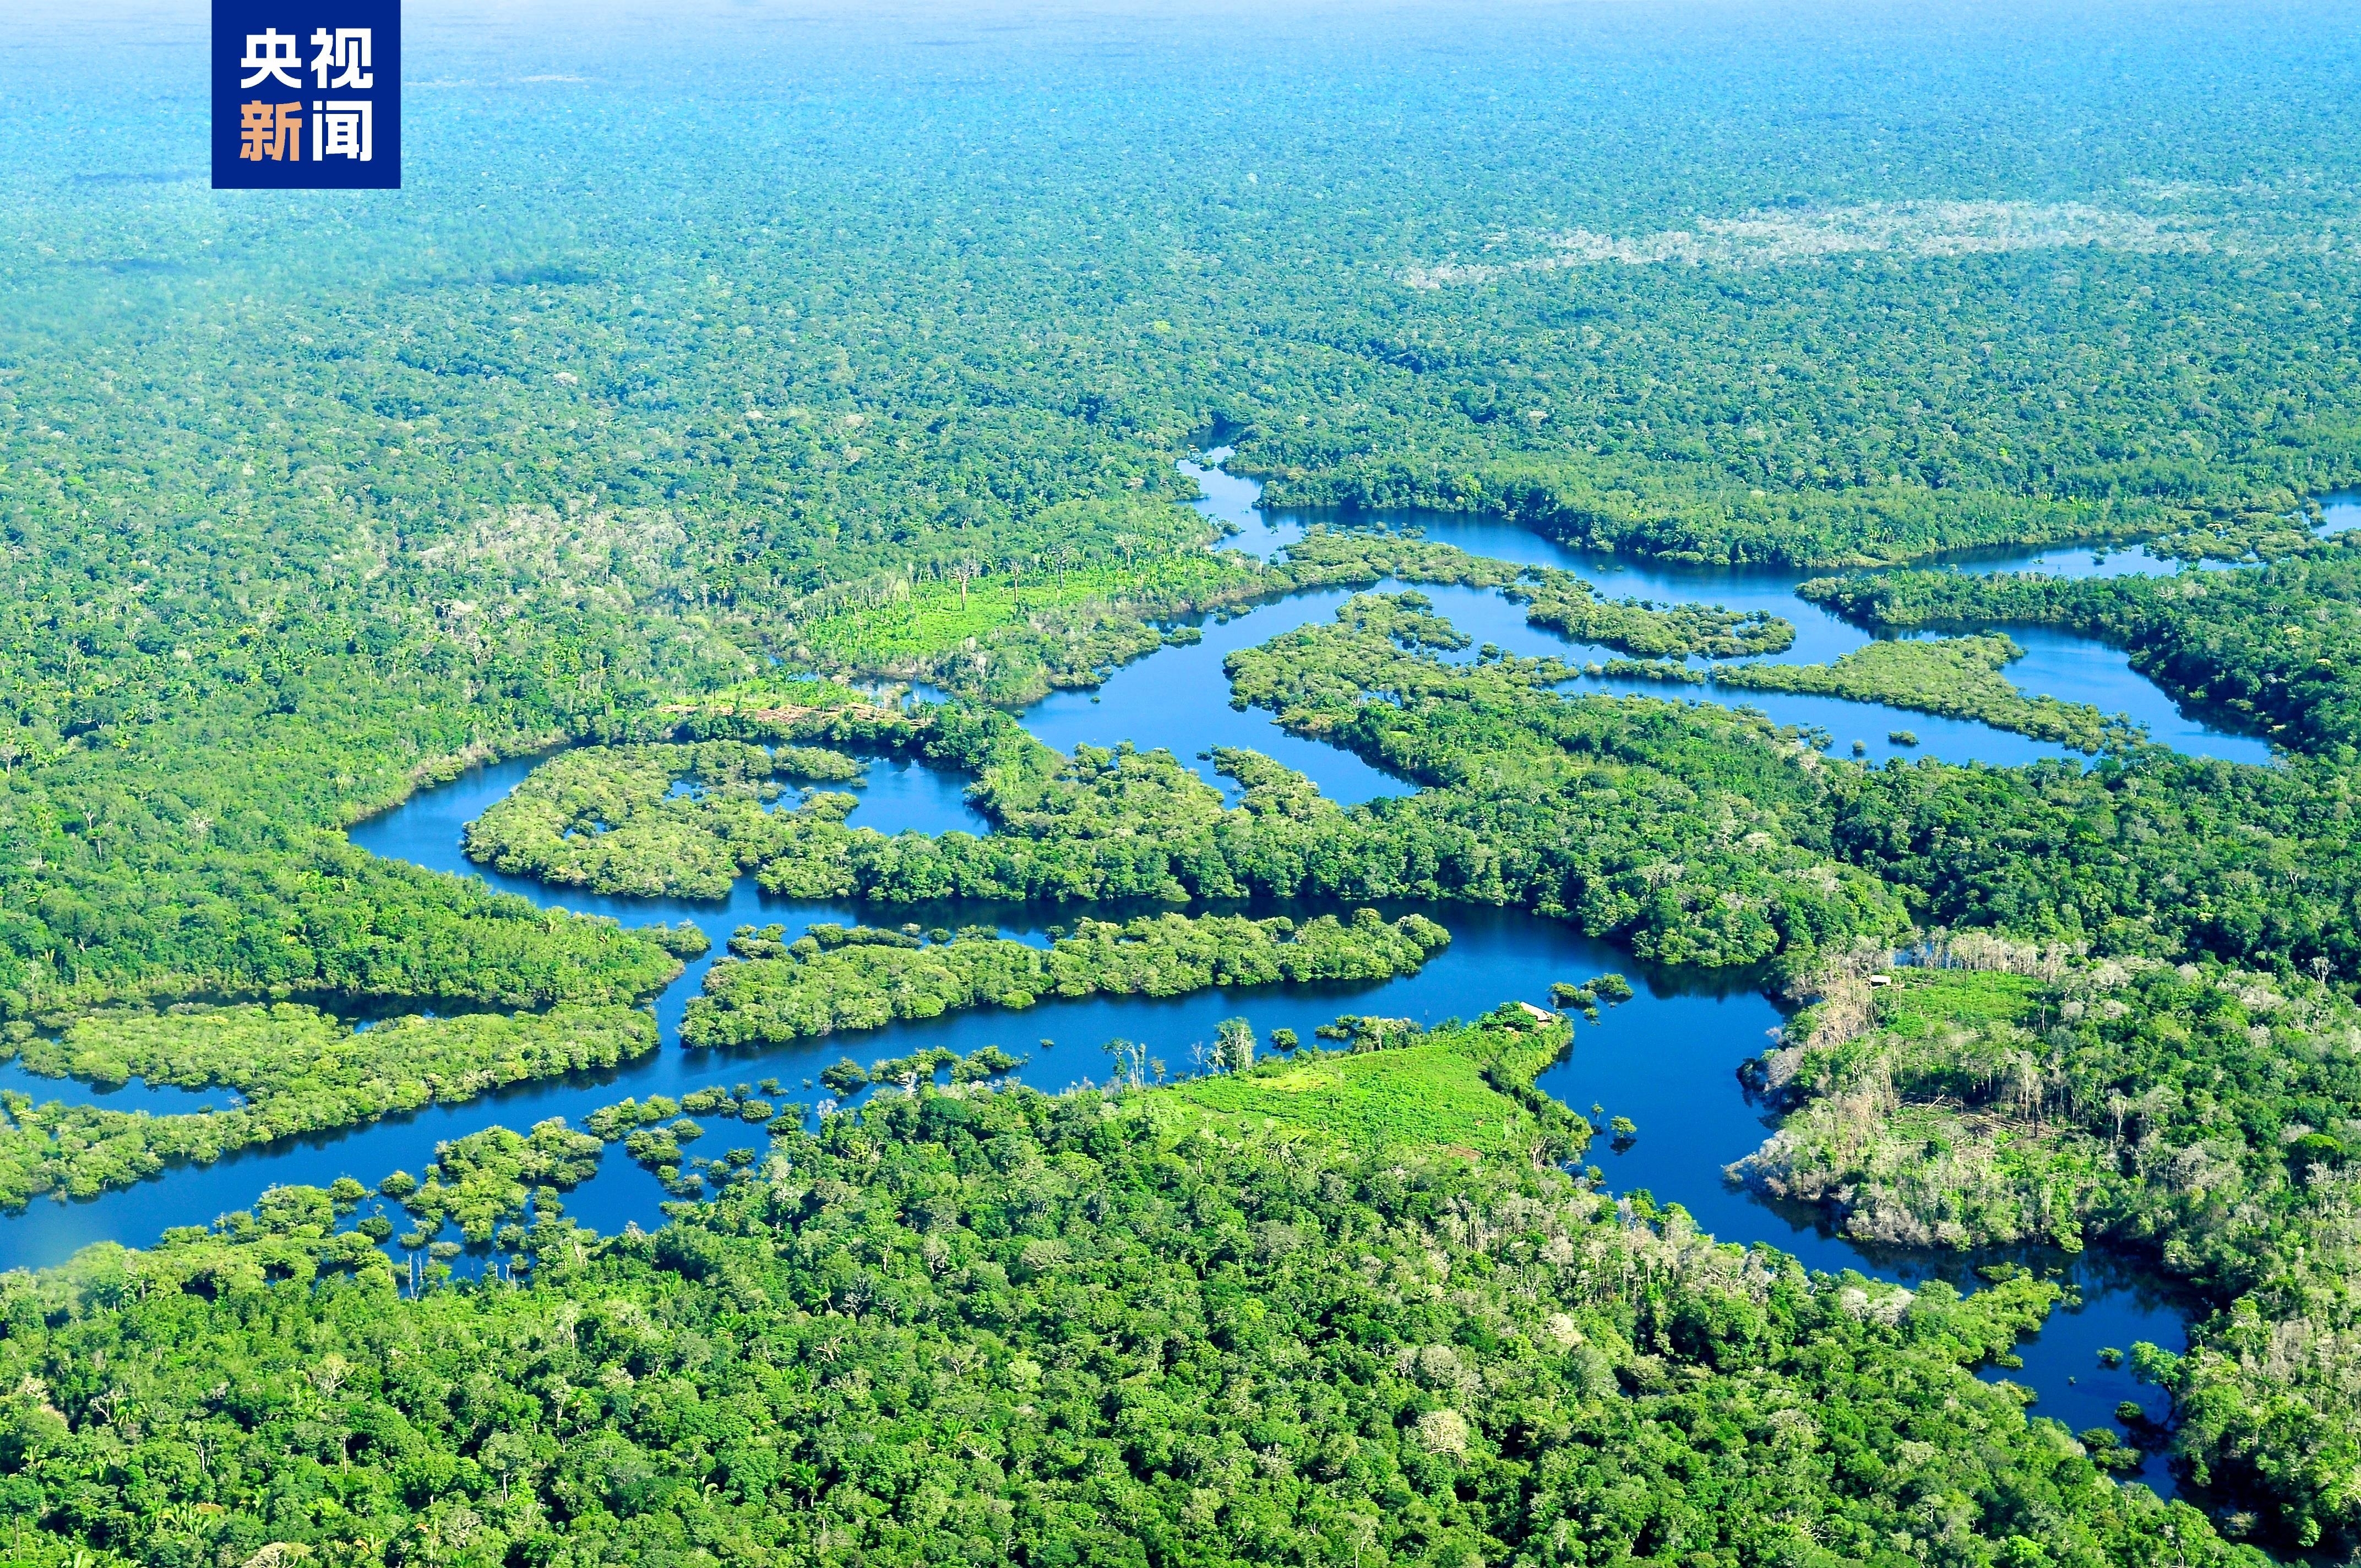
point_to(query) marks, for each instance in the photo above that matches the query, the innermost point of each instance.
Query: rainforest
(1042, 785)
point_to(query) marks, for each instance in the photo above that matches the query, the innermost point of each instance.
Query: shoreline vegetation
(1010, 649)
(1124, 824)
(295, 1070)
(2267, 648)
(1952, 678)
(2201, 1115)
(1870, 851)
(2150, 871)
(770, 991)
(1372, 1209)
(650, 459)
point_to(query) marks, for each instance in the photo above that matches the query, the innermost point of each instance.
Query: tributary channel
(1666, 1060)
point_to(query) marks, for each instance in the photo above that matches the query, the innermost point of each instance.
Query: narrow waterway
(1666, 1060)
(2055, 664)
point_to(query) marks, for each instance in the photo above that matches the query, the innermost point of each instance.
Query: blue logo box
(307, 95)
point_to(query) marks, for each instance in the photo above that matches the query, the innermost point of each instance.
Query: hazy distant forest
(738, 359)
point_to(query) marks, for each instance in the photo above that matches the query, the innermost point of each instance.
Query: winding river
(1655, 1059)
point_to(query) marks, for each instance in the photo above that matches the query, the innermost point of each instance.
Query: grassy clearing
(913, 622)
(1921, 1001)
(1466, 1090)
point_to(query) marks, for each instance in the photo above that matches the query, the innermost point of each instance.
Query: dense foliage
(699, 361)
(482, 1180)
(2208, 1115)
(2147, 853)
(1006, 1328)
(523, 467)
(297, 1070)
(1553, 597)
(807, 989)
(2267, 649)
(1958, 678)
(1585, 809)
(991, 641)
(1661, 824)
(609, 819)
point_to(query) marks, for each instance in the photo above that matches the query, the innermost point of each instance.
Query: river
(1654, 1059)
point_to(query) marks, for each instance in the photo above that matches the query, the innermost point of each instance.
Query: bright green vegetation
(1678, 631)
(1006, 626)
(297, 521)
(1703, 836)
(814, 762)
(2145, 854)
(1573, 807)
(2269, 649)
(653, 1131)
(299, 1070)
(2208, 1115)
(483, 1180)
(1931, 1124)
(1958, 678)
(1586, 995)
(1467, 1089)
(1697, 833)
(1245, 1317)
(994, 639)
(2147, 857)
(604, 817)
(263, 921)
(1558, 599)
(989, 640)
(1570, 808)
(1684, 831)
(814, 989)
(611, 1122)
(873, 356)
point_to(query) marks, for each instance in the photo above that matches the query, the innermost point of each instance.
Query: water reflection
(1666, 1060)
(897, 795)
(1178, 697)
(2057, 664)
(133, 1094)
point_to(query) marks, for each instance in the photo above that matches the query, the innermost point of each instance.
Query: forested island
(735, 421)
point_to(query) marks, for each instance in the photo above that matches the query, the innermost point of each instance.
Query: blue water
(1237, 502)
(1666, 1060)
(2068, 668)
(1194, 695)
(1178, 697)
(136, 1094)
(900, 796)
(893, 794)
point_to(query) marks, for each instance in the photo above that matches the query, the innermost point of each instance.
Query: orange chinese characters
(274, 131)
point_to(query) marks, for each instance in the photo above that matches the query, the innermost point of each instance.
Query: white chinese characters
(271, 54)
(340, 128)
(312, 92)
(346, 51)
